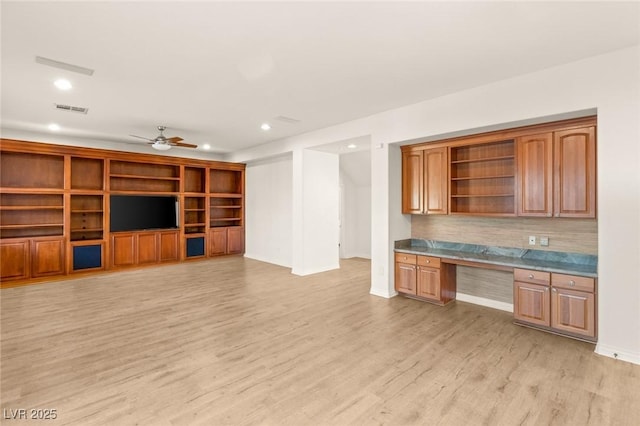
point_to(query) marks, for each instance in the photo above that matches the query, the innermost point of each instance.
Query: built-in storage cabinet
(559, 303)
(424, 181)
(144, 247)
(575, 172)
(55, 209)
(557, 173)
(483, 178)
(412, 182)
(544, 170)
(14, 259)
(425, 277)
(535, 175)
(32, 257)
(405, 273)
(228, 240)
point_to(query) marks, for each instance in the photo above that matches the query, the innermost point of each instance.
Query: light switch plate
(532, 240)
(544, 241)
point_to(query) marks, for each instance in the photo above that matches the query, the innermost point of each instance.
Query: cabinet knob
(547, 289)
(572, 283)
(404, 257)
(428, 261)
(530, 276)
(554, 290)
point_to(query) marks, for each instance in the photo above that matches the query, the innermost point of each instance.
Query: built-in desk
(554, 291)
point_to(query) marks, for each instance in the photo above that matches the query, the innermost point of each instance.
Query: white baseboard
(503, 306)
(384, 294)
(263, 259)
(303, 272)
(616, 353)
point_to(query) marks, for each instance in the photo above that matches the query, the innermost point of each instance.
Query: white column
(315, 212)
(388, 224)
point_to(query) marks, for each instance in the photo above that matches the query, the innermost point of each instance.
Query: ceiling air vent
(287, 120)
(81, 110)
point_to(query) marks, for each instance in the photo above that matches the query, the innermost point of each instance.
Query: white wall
(609, 82)
(269, 193)
(315, 212)
(355, 205)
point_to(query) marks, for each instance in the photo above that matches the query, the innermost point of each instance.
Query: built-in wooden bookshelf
(55, 209)
(483, 178)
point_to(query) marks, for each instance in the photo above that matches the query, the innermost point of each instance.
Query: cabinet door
(573, 311)
(47, 257)
(412, 182)
(575, 173)
(123, 250)
(435, 181)
(428, 283)
(147, 248)
(217, 241)
(235, 240)
(531, 303)
(535, 171)
(169, 246)
(14, 260)
(405, 278)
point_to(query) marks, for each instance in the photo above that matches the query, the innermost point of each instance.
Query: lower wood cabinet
(226, 240)
(560, 303)
(140, 248)
(425, 277)
(32, 258)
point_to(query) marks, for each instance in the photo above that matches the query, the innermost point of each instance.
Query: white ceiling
(212, 72)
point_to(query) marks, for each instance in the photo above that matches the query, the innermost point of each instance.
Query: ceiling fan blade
(184, 145)
(175, 139)
(147, 139)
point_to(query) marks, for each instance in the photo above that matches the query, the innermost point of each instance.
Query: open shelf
(87, 173)
(127, 176)
(30, 170)
(87, 217)
(482, 178)
(31, 214)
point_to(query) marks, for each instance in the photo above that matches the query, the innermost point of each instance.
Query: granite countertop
(539, 260)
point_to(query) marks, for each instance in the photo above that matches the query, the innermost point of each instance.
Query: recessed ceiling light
(352, 146)
(265, 126)
(63, 84)
(54, 127)
(206, 146)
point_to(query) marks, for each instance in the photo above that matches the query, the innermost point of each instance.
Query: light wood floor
(236, 341)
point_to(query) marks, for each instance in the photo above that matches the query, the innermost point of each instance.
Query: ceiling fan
(163, 143)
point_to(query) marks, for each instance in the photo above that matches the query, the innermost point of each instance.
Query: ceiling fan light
(161, 146)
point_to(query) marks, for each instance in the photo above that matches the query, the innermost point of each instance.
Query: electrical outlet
(532, 240)
(544, 241)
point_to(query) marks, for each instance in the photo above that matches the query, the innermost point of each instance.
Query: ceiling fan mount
(163, 143)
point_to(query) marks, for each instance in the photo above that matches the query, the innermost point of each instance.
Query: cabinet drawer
(573, 282)
(431, 262)
(529, 276)
(406, 258)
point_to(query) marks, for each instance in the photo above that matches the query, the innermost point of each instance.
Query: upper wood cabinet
(575, 172)
(435, 181)
(412, 182)
(535, 175)
(545, 170)
(424, 181)
(557, 174)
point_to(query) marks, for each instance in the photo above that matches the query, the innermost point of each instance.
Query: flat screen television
(139, 212)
